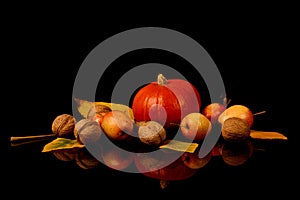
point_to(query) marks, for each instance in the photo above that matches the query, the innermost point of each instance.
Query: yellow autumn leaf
(62, 143)
(267, 135)
(84, 107)
(179, 146)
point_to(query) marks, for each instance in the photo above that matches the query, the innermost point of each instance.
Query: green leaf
(62, 143)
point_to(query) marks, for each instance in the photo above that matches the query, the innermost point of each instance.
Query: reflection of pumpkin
(166, 101)
(158, 167)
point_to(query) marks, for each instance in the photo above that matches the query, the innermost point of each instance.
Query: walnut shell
(151, 133)
(98, 109)
(235, 129)
(63, 126)
(87, 131)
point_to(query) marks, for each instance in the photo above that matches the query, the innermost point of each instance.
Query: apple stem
(227, 102)
(261, 112)
(161, 80)
(175, 124)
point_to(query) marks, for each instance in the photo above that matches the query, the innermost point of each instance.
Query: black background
(42, 54)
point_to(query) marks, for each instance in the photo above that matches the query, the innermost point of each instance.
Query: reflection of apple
(116, 158)
(239, 111)
(195, 126)
(213, 110)
(193, 161)
(216, 150)
(117, 125)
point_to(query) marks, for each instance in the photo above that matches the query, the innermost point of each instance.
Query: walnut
(87, 131)
(151, 133)
(235, 129)
(98, 109)
(63, 126)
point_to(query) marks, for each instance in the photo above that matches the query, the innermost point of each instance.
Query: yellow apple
(117, 125)
(239, 111)
(195, 126)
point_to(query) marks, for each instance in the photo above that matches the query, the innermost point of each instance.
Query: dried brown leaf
(267, 135)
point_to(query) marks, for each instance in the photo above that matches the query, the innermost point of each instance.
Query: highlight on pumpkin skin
(157, 111)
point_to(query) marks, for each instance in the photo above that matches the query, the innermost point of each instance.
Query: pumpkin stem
(161, 80)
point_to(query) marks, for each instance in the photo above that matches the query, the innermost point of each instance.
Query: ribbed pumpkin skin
(166, 104)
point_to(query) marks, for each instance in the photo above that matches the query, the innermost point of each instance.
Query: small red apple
(239, 111)
(98, 118)
(195, 126)
(117, 125)
(213, 110)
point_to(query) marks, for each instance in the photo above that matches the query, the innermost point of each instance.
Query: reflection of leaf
(84, 106)
(61, 143)
(267, 135)
(180, 146)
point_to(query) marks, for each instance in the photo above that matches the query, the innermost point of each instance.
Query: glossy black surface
(43, 62)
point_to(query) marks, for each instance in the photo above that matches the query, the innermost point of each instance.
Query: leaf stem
(19, 140)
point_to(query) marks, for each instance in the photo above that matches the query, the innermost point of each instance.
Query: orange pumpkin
(166, 101)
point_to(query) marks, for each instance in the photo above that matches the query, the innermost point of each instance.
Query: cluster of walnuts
(85, 130)
(115, 124)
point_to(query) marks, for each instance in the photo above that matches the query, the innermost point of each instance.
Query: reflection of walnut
(85, 160)
(65, 154)
(63, 126)
(236, 153)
